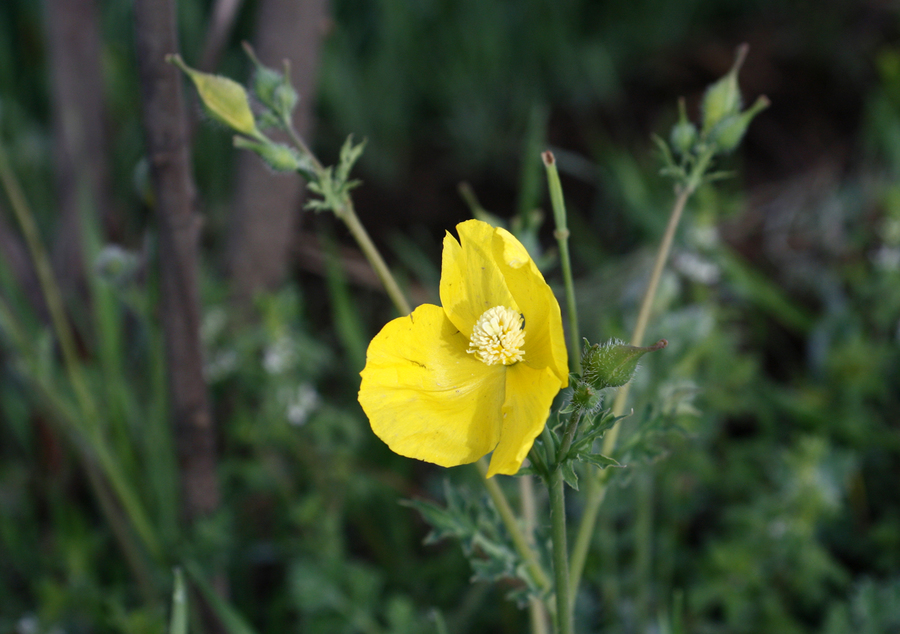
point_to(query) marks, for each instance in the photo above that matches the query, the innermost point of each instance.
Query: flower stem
(569, 435)
(537, 610)
(556, 486)
(562, 238)
(512, 526)
(595, 487)
(348, 215)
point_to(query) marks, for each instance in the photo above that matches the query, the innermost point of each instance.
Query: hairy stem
(556, 486)
(537, 611)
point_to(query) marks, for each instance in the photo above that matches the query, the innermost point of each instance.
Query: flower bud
(728, 134)
(265, 82)
(285, 99)
(225, 99)
(684, 133)
(614, 363)
(723, 98)
(272, 88)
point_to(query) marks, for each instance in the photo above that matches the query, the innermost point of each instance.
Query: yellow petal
(471, 283)
(425, 397)
(545, 341)
(529, 394)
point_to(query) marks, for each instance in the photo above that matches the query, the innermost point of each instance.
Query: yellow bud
(225, 99)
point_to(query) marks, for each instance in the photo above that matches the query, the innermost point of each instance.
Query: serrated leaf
(568, 474)
(445, 522)
(598, 460)
(349, 155)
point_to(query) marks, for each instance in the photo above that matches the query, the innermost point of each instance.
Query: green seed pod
(684, 133)
(723, 98)
(613, 363)
(728, 134)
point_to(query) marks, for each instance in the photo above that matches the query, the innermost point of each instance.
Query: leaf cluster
(475, 523)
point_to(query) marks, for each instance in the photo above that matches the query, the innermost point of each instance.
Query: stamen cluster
(498, 337)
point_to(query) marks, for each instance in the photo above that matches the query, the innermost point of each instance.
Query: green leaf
(349, 155)
(568, 473)
(232, 620)
(178, 623)
(598, 460)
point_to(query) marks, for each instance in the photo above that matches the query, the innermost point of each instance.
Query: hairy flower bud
(728, 134)
(265, 82)
(224, 99)
(723, 98)
(684, 133)
(285, 99)
(613, 363)
(272, 88)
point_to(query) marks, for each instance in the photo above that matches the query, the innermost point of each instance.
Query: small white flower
(887, 258)
(696, 269)
(301, 403)
(220, 365)
(279, 356)
(27, 624)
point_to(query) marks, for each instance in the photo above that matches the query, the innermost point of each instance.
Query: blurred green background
(770, 501)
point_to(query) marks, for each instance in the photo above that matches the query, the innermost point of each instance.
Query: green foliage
(333, 183)
(473, 521)
(758, 487)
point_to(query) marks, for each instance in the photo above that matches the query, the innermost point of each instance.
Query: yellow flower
(449, 385)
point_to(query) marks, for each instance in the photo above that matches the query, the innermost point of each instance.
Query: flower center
(498, 337)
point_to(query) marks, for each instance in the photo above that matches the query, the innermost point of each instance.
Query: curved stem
(512, 526)
(348, 215)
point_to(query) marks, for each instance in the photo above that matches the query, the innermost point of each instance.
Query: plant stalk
(595, 487)
(348, 215)
(562, 238)
(556, 486)
(537, 611)
(512, 526)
